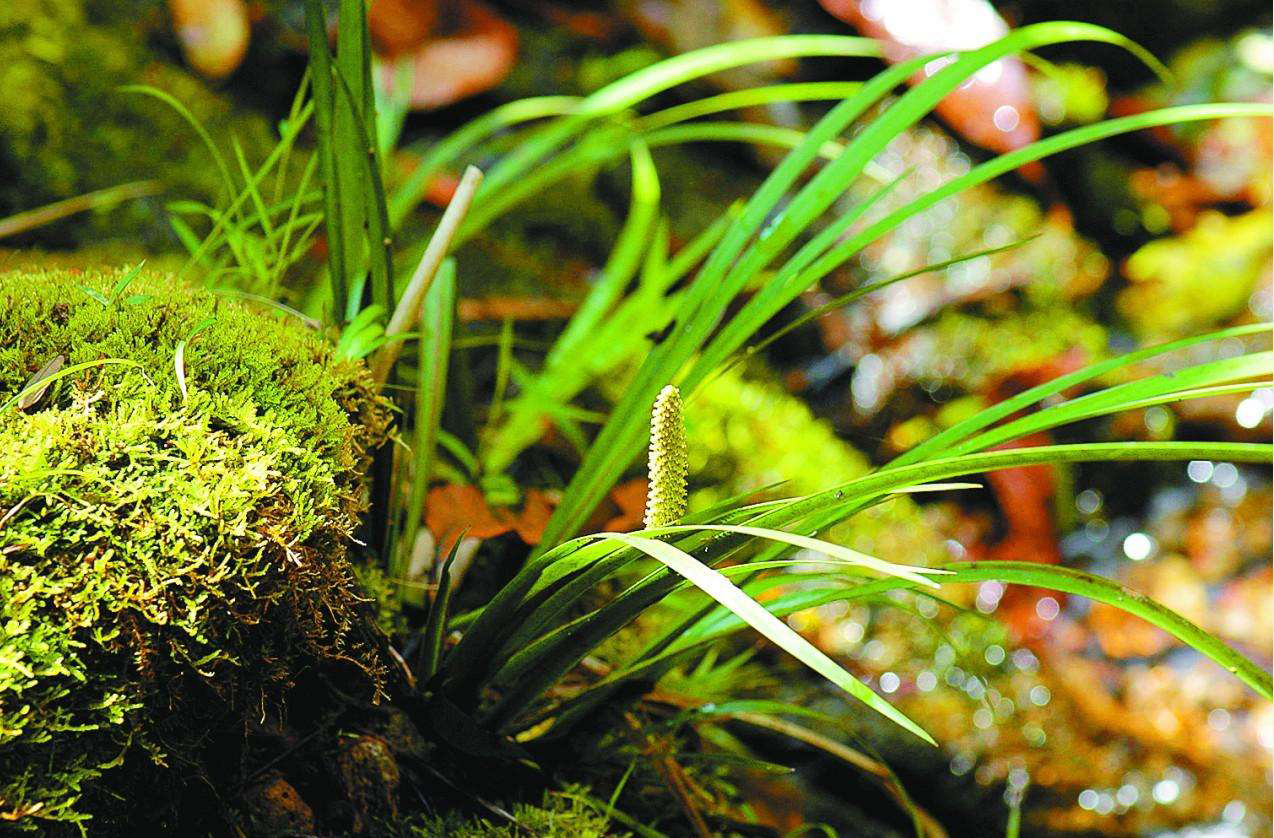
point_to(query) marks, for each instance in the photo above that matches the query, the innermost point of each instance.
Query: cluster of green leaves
(531, 633)
(178, 501)
(261, 232)
(354, 206)
(258, 232)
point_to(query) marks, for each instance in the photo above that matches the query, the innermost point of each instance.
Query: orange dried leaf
(630, 497)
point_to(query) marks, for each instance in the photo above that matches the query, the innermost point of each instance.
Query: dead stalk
(408, 310)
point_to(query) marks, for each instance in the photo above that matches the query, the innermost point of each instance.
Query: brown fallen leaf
(534, 516)
(472, 309)
(31, 398)
(452, 510)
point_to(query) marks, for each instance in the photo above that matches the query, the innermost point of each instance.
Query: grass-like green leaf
(437, 324)
(177, 105)
(778, 632)
(919, 575)
(321, 80)
(44, 381)
(439, 609)
(659, 77)
(1071, 581)
(947, 439)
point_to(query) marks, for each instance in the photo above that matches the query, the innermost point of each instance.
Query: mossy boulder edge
(171, 559)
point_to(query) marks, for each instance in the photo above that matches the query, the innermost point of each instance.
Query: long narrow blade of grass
(61, 373)
(1071, 581)
(321, 78)
(206, 138)
(295, 221)
(1014, 159)
(1257, 365)
(436, 625)
(810, 91)
(753, 133)
(643, 84)
(370, 186)
(946, 439)
(859, 293)
(886, 479)
(431, 388)
(349, 139)
(31, 219)
(778, 632)
(557, 382)
(408, 193)
(254, 194)
(844, 554)
(625, 257)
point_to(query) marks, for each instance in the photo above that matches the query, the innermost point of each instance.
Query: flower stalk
(667, 461)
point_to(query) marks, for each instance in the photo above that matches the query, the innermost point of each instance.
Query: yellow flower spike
(668, 465)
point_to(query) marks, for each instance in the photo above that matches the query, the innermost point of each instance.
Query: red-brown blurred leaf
(1025, 498)
(630, 497)
(453, 509)
(588, 24)
(469, 58)
(398, 26)
(535, 514)
(993, 110)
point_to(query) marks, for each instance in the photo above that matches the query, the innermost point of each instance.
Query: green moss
(973, 353)
(168, 563)
(560, 815)
(747, 433)
(113, 252)
(1193, 282)
(66, 129)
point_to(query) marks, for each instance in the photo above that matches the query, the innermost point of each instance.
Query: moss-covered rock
(172, 558)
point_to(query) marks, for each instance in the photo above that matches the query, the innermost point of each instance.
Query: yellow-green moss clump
(564, 814)
(170, 564)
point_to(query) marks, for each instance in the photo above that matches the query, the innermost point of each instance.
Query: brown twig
(674, 777)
